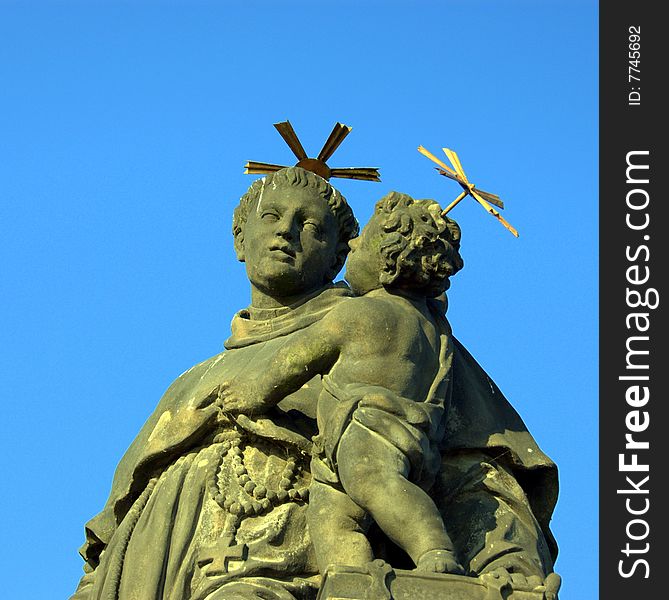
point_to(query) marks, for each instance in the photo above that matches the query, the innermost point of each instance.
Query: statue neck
(263, 301)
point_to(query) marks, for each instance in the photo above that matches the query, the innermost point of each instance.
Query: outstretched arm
(303, 355)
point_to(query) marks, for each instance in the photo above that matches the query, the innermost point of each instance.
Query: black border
(625, 128)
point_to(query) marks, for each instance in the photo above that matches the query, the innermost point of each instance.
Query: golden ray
(290, 137)
(335, 138)
(257, 168)
(434, 159)
(364, 173)
(453, 157)
(315, 165)
(494, 213)
(485, 199)
(492, 198)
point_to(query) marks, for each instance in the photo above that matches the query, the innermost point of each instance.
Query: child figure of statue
(386, 357)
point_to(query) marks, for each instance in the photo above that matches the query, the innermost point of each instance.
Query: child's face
(363, 266)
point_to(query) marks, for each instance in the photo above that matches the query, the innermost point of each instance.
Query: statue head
(407, 245)
(291, 230)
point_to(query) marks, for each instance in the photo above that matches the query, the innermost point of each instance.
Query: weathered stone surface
(380, 582)
(341, 425)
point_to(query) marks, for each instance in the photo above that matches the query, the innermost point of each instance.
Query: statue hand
(501, 577)
(239, 396)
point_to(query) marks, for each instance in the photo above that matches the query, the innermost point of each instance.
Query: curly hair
(297, 176)
(420, 248)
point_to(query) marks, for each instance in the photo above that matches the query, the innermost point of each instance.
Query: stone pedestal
(380, 582)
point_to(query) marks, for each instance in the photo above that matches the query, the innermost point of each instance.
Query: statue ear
(387, 278)
(239, 246)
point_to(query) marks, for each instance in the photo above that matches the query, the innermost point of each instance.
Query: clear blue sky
(124, 127)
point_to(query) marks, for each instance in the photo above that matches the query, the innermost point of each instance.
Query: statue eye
(311, 226)
(270, 216)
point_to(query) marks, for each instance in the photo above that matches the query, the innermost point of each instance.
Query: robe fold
(162, 520)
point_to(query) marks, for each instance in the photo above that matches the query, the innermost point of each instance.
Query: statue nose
(286, 229)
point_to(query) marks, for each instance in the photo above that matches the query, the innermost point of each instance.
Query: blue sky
(124, 130)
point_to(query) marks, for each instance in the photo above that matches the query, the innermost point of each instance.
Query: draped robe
(165, 521)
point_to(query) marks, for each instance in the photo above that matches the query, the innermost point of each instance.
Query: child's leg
(374, 474)
(337, 527)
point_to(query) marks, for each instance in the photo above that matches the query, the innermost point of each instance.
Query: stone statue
(343, 438)
(385, 357)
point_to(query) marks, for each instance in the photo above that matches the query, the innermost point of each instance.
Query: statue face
(364, 261)
(290, 242)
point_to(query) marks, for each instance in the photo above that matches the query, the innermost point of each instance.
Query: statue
(243, 484)
(380, 414)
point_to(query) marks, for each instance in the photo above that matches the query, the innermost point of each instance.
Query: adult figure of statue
(209, 507)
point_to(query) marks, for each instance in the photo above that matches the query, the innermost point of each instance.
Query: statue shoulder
(369, 314)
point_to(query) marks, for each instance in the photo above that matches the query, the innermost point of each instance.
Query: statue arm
(358, 328)
(303, 355)
(361, 330)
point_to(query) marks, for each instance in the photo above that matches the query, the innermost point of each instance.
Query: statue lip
(284, 249)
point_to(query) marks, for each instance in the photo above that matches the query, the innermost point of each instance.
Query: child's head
(407, 245)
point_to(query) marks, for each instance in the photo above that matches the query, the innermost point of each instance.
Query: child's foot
(440, 561)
